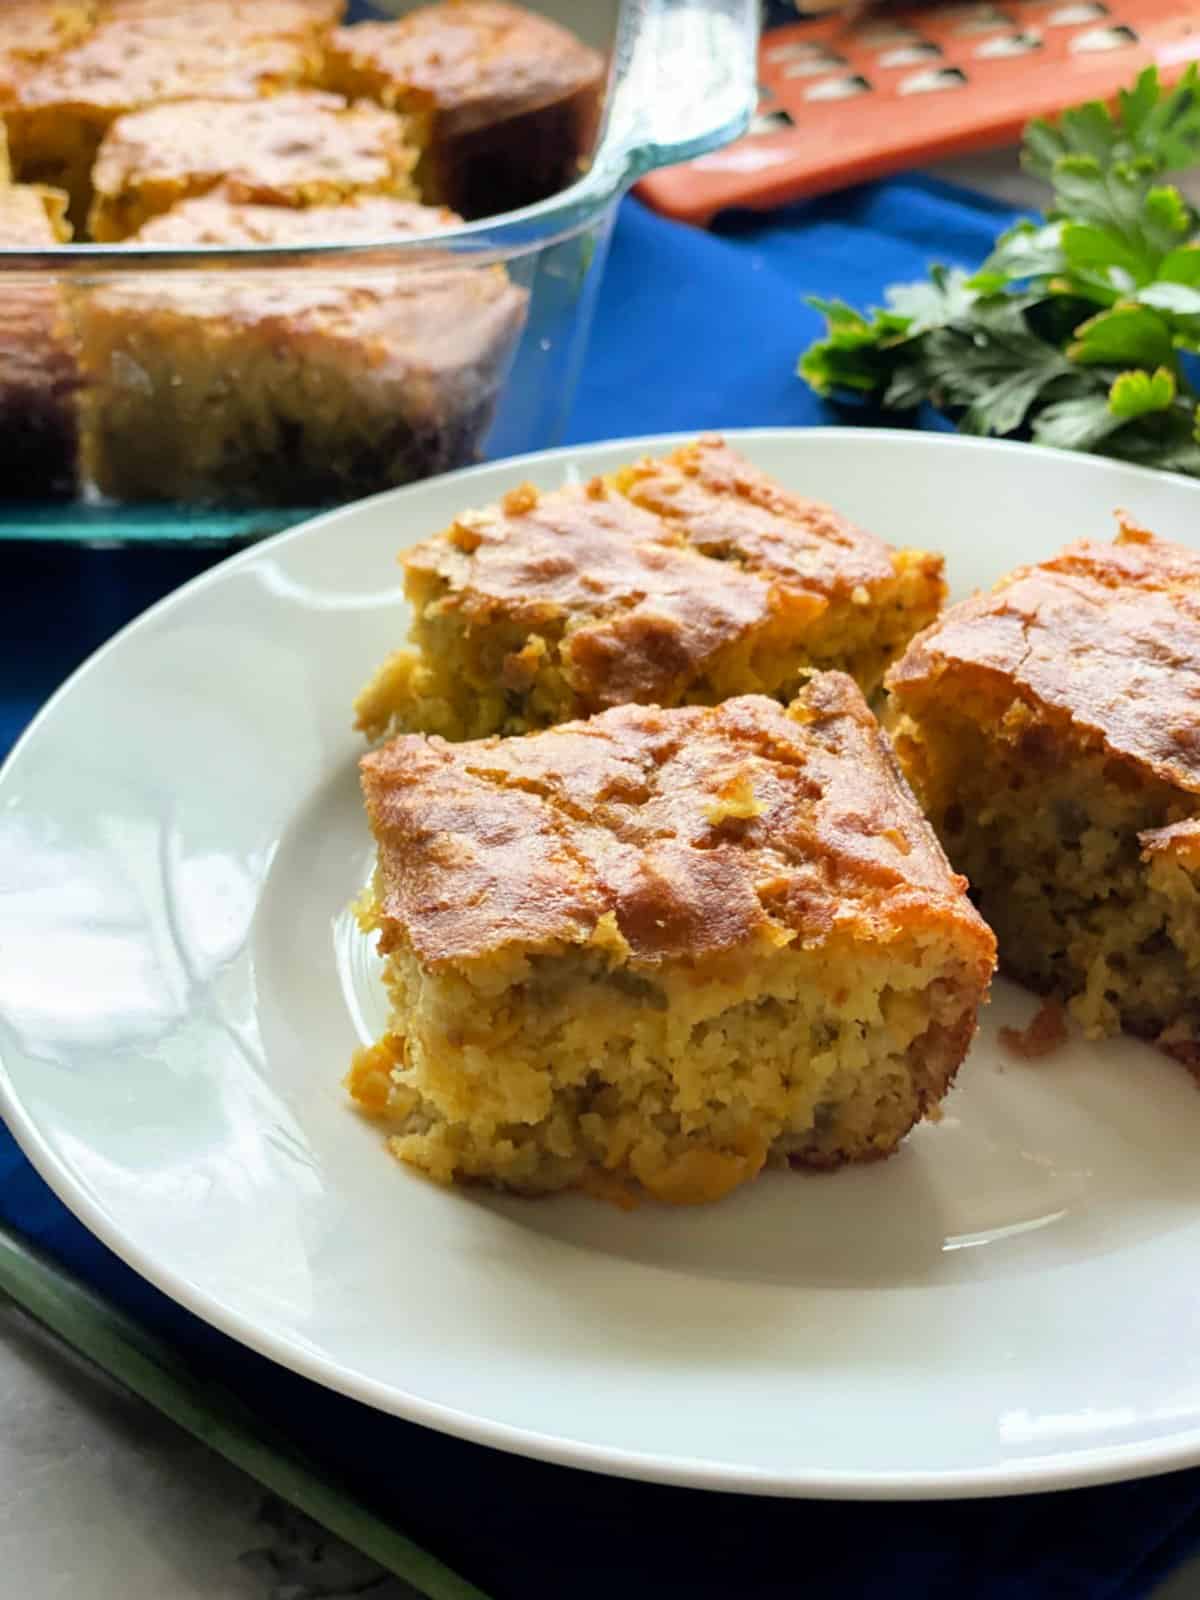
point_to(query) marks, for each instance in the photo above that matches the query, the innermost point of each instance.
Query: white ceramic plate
(1011, 1303)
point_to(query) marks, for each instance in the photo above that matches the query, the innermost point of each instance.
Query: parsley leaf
(1070, 332)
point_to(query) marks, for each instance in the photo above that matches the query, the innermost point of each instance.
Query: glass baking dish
(221, 400)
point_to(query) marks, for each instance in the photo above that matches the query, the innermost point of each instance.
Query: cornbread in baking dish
(38, 371)
(304, 148)
(681, 581)
(506, 103)
(59, 110)
(1050, 729)
(658, 950)
(292, 387)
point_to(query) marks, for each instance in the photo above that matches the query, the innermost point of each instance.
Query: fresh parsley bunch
(1078, 328)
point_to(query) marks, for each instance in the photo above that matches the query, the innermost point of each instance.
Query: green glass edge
(72, 523)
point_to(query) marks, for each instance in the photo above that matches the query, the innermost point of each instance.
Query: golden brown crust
(1103, 636)
(645, 614)
(724, 507)
(647, 601)
(442, 332)
(216, 218)
(474, 62)
(123, 65)
(299, 148)
(702, 831)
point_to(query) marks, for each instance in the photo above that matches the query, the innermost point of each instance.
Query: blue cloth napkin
(693, 331)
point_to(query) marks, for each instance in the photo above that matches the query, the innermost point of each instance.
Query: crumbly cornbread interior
(299, 390)
(1060, 841)
(577, 1069)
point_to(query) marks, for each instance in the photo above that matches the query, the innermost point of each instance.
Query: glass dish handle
(686, 75)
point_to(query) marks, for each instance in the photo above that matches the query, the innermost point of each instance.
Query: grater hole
(839, 88)
(1074, 16)
(984, 19)
(771, 121)
(933, 82)
(795, 50)
(815, 66)
(1099, 39)
(910, 55)
(1012, 44)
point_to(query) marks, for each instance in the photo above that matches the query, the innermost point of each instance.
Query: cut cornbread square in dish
(304, 148)
(1050, 729)
(39, 375)
(59, 110)
(292, 387)
(657, 950)
(506, 101)
(684, 580)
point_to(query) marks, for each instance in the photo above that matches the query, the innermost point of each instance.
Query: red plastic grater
(848, 100)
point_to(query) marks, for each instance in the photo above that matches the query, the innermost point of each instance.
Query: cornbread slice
(683, 581)
(303, 148)
(506, 102)
(663, 948)
(1050, 729)
(292, 387)
(38, 371)
(59, 110)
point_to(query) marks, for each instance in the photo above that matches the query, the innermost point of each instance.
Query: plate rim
(1093, 1466)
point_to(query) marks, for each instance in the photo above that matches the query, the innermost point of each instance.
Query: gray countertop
(103, 1499)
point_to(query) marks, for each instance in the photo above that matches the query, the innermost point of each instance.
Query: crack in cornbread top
(723, 507)
(647, 585)
(275, 149)
(641, 612)
(472, 62)
(694, 830)
(1106, 636)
